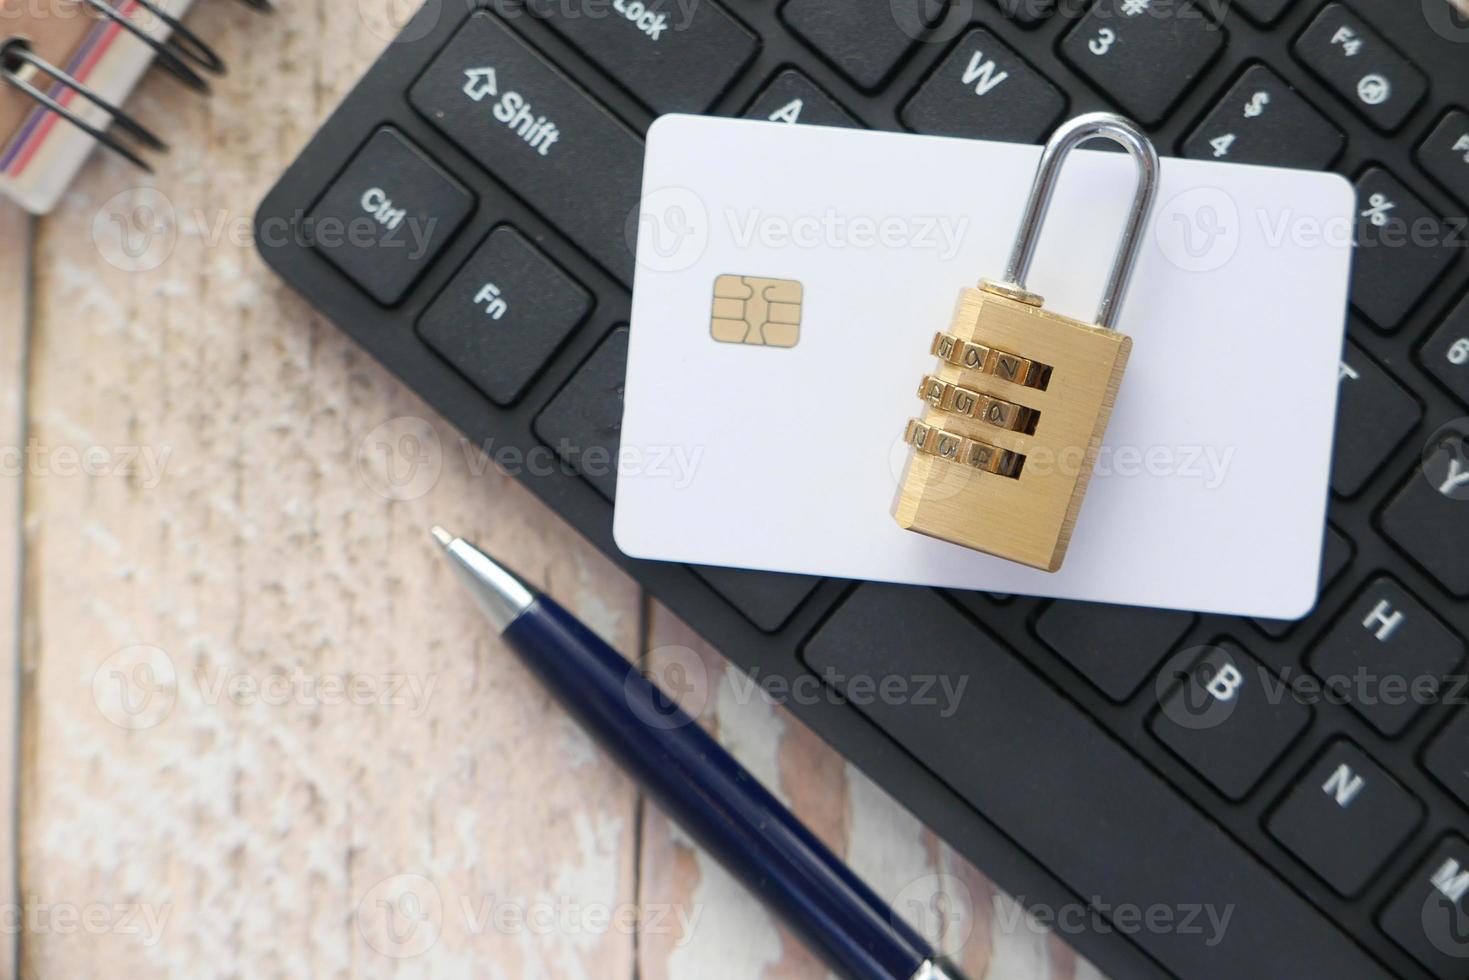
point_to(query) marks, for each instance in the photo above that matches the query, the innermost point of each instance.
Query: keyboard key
(1429, 916)
(1114, 647)
(675, 57)
(1445, 154)
(1229, 719)
(1447, 756)
(583, 423)
(1263, 12)
(1263, 120)
(1370, 75)
(1373, 417)
(503, 315)
(540, 135)
(1143, 58)
(1335, 558)
(1068, 793)
(387, 216)
(1447, 352)
(1027, 13)
(1402, 249)
(985, 90)
(1345, 817)
(1386, 656)
(793, 98)
(1429, 517)
(766, 599)
(864, 39)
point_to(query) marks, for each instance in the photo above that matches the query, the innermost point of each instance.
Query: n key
(1344, 817)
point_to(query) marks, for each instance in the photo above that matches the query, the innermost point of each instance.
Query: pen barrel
(716, 801)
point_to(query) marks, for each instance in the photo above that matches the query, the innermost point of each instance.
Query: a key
(531, 128)
(583, 423)
(675, 57)
(1403, 248)
(1335, 558)
(1263, 120)
(1429, 517)
(1373, 416)
(1445, 154)
(503, 315)
(1446, 353)
(1429, 914)
(1447, 756)
(1370, 75)
(1228, 718)
(1144, 58)
(1386, 656)
(1114, 647)
(388, 215)
(985, 90)
(791, 97)
(766, 599)
(1069, 794)
(1344, 817)
(864, 39)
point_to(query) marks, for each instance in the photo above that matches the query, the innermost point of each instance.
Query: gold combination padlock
(1019, 401)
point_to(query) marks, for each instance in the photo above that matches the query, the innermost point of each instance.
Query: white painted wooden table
(261, 732)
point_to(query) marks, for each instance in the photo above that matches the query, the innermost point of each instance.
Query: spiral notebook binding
(180, 54)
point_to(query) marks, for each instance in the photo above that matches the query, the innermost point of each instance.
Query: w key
(984, 90)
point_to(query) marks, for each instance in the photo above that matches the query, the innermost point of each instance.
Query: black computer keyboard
(1309, 780)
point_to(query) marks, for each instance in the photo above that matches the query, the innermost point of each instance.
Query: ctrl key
(387, 215)
(1429, 915)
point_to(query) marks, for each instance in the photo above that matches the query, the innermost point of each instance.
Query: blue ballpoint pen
(697, 782)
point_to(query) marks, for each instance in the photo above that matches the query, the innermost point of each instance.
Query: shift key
(534, 130)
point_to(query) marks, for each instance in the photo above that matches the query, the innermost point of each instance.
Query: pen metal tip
(442, 537)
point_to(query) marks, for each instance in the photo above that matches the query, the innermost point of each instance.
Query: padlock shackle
(1070, 135)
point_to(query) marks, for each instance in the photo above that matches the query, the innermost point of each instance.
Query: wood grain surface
(262, 733)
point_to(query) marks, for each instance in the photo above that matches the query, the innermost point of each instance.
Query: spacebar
(1071, 796)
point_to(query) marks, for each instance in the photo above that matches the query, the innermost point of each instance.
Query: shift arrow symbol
(481, 83)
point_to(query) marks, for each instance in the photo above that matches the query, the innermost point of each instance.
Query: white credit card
(753, 442)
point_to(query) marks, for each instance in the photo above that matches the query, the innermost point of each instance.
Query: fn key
(387, 215)
(504, 314)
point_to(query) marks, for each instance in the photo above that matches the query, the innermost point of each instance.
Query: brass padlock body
(1022, 506)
